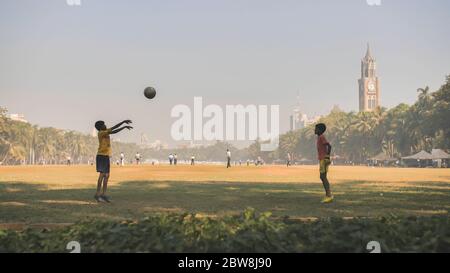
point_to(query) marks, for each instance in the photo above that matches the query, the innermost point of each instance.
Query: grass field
(64, 194)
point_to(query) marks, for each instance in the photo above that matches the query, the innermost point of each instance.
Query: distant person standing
(175, 159)
(259, 161)
(288, 160)
(228, 158)
(192, 160)
(170, 159)
(69, 160)
(138, 158)
(122, 159)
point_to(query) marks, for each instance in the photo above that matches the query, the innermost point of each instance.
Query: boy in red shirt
(324, 151)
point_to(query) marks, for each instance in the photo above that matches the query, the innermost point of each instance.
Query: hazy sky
(67, 66)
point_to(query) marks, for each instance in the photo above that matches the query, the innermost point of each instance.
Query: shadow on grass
(32, 203)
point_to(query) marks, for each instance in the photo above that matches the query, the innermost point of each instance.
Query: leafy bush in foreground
(249, 232)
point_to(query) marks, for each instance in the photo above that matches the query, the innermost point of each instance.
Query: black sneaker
(105, 198)
(98, 198)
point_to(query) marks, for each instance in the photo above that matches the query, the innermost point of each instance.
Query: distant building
(182, 146)
(157, 145)
(18, 117)
(192, 145)
(144, 141)
(369, 84)
(299, 120)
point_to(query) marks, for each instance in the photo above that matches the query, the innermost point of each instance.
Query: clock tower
(369, 84)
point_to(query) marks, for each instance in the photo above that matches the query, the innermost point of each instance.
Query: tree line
(396, 132)
(355, 136)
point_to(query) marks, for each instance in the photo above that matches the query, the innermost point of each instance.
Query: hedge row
(249, 232)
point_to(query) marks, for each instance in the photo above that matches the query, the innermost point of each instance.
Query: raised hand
(115, 131)
(127, 121)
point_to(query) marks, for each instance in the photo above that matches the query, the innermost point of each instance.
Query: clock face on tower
(371, 86)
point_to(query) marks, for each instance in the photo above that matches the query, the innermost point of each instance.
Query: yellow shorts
(324, 164)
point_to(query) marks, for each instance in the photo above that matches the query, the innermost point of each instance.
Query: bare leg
(105, 183)
(326, 184)
(99, 183)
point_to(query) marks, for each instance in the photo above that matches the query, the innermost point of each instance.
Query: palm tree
(45, 143)
(288, 142)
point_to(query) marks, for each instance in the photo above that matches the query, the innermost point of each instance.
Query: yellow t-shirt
(104, 142)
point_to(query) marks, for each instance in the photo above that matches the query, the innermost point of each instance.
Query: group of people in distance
(173, 159)
(121, 161)
(104, 153)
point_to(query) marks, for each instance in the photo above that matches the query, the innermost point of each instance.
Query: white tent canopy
(422, 155)
(439, 154)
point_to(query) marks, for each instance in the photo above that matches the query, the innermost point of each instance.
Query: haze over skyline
(66, 66)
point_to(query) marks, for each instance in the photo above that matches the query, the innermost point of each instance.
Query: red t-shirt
(321, 147)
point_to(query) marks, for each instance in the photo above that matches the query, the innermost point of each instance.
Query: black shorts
(102, 164)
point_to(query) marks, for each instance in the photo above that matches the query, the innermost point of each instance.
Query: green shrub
(249, 232)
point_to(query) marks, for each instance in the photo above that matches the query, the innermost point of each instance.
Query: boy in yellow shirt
(104, 154)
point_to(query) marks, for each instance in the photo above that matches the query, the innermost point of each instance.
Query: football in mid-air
(149, 92)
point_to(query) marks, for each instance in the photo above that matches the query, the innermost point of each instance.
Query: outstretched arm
(120, 124)
(120, 129)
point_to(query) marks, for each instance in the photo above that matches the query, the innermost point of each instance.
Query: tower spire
(369, 88)
(369, 52)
